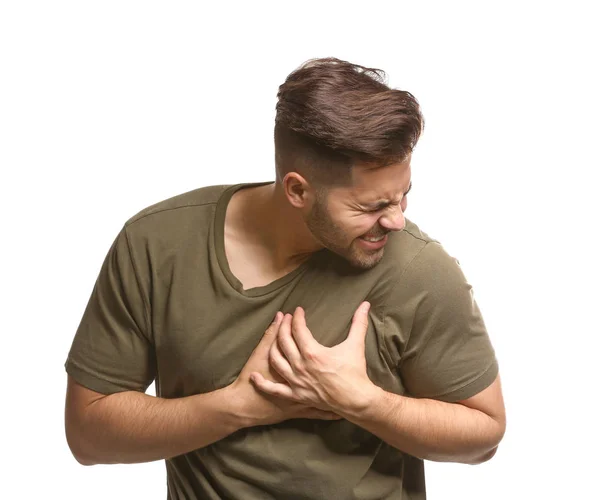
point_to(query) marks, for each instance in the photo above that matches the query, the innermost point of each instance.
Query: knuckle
(362, 321)
(280, 340)
(268, 337)
(272, 356)
(310, 354)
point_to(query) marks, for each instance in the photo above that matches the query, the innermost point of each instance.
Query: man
(306, 340)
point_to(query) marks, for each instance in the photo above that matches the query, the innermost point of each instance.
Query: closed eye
(381, 207)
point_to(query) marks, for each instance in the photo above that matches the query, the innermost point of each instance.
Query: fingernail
(366, 306)
(276, 318)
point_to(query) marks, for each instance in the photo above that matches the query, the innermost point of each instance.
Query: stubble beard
(332, 237)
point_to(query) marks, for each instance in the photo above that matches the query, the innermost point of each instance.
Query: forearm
(430, 429)
(132, 427)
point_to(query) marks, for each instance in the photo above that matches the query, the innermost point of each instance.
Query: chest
(204, 336)
(207, 348)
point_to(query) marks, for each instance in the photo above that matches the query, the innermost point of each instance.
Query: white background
(107, 107)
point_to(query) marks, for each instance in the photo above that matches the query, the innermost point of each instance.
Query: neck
(264, 218)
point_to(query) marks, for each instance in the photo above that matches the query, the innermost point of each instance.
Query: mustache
(376, 234)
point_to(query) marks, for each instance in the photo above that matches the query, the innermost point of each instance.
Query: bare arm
(336, 379)
(132, 427)
(435, 430)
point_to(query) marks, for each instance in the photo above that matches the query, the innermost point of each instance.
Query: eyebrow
(378, 205)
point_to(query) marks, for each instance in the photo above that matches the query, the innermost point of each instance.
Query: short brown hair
(334, 113)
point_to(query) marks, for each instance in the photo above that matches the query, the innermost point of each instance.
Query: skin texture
(335, 379)
(131, 427)
(339, 217)
(269, 231)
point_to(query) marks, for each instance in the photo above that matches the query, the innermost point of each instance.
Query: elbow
(81, 457)
(79, 427)
(86, 449)
(468, 459)
(484, 458)
(488, 455)
(498, 436)
(77, 450)
(83, 460)
(80, 447)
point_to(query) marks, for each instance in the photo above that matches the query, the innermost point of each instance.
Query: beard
(334, 238)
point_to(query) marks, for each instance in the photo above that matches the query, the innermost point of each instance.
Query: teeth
(374, 240)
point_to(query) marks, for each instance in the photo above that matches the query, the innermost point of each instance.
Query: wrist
(226, 401)
(381, 404)
(362, 402)
(236, 407)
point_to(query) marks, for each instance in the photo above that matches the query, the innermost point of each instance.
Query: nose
(393, 218)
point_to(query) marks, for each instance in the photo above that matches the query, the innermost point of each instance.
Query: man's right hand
(259, 409)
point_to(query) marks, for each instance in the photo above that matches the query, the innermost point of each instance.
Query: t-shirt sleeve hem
(91, 381)
(472, 388)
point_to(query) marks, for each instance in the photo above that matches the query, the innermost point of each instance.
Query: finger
(274, 389)
(360, 324)
(270, 334)
(302, 336)
(286, 342)
(280, 363)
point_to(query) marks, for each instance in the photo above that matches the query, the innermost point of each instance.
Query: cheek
(352, 224)
(361, 224)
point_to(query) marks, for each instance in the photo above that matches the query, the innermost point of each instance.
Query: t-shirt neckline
(219, 235)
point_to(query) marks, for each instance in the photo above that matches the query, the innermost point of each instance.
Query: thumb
(360, 323)
(270, 334)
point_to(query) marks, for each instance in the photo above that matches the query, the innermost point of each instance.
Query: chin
(354, 255)
(364, 261)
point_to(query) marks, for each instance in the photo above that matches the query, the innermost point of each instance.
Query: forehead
(382, 183)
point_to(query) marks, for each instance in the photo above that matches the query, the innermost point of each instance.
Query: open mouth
(373, 239)
(373, 242)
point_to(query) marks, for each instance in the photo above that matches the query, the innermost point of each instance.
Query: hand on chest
(209, 351)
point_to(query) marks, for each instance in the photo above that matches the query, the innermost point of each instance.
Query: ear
(298, 190)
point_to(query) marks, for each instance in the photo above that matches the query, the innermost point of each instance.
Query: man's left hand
(330, 378)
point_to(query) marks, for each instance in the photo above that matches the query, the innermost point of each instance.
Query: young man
(375, 355)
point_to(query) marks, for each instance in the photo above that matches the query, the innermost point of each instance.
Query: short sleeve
(441, 343)
(112, 349)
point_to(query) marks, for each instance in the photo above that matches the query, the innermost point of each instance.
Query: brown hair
(332, 113)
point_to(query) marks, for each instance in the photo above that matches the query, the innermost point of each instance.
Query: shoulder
(416, 262)
(166, 227)
(413, 231)
(423, 273)
(410, 247)
(194, 199)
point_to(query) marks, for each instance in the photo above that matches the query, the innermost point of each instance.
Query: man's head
(343, 143)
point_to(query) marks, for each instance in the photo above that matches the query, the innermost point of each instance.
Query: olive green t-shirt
(166, 308)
